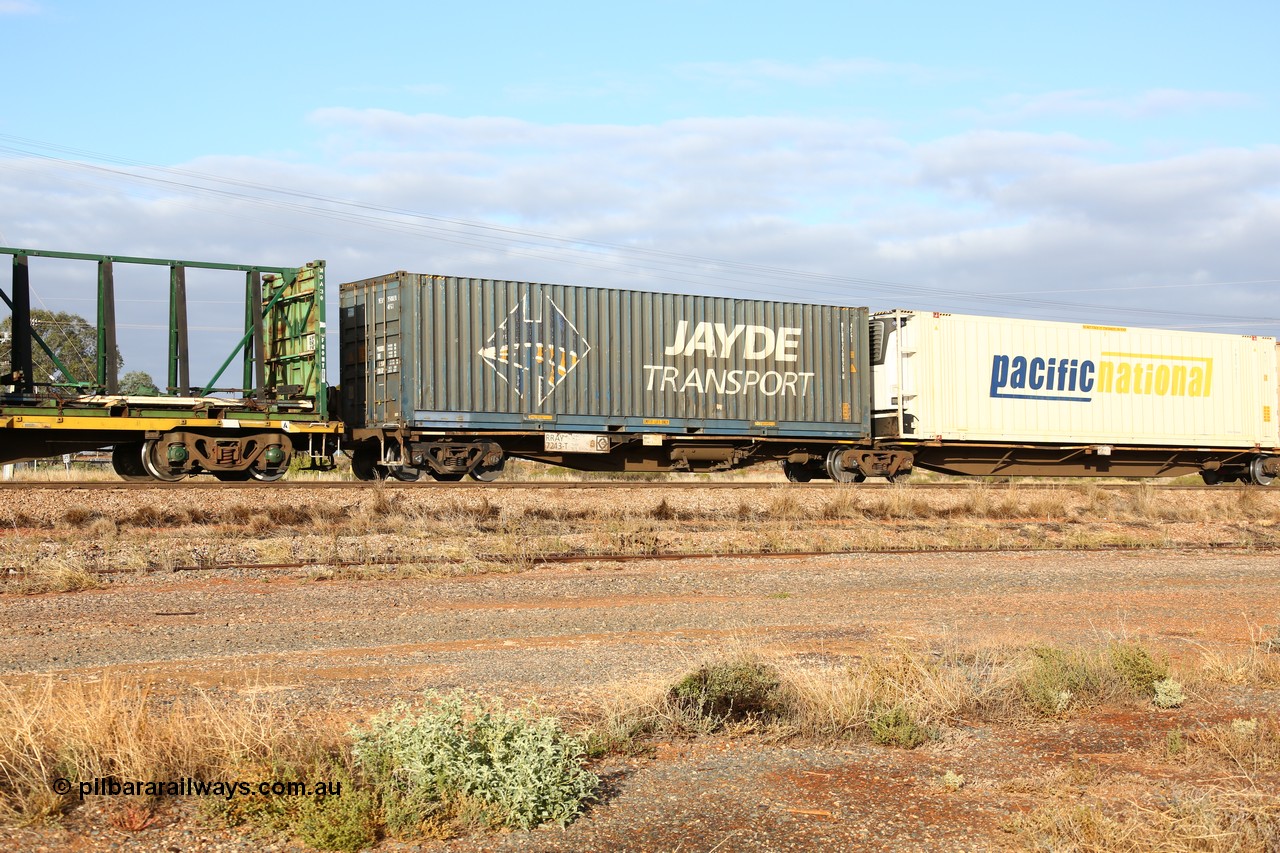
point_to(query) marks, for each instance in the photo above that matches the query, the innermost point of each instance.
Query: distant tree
(71, 336)
(138, 383)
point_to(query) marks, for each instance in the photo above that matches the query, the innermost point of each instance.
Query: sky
(1088, 162)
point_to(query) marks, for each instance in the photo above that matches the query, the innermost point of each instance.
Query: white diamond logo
(535, 353)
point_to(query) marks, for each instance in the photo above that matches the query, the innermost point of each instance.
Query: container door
(371, 390)
(1273, 404)
(385, 350)
(353, 338)
(893, 370)
(295, 336)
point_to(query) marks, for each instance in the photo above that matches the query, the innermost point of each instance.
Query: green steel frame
(283, 346)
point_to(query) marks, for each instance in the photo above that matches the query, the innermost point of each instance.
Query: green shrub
(1168, 693)
(471, 763)
(1059, 679)
(338, 823)
(727, 691)
(1136, 667)
(1175, 743)
(895, 727)
(345, 821)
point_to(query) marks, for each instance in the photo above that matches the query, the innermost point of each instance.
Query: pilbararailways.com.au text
(186, 787)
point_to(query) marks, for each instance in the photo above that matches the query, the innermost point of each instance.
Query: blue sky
(1097, 161)
(166, 82)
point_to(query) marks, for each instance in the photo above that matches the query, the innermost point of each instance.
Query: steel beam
(179, 362)
(255, 358)
(108, 361)
(20, 364)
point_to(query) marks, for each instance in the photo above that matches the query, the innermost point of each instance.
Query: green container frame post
(24, 333)
(283, 346)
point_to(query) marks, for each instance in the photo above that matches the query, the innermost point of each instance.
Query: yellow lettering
(1124, 377)
(1162, 379)
(1106, 372)
(1196, 386)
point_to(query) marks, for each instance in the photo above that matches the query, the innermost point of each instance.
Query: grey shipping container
(437, 352)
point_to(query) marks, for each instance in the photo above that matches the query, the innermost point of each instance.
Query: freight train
(447, 378)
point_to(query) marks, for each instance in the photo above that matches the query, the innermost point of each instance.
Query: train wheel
(267, 475)
(364, 462)
(839, 473)
(1257, 476)
(796, 472)
(157, 466)
(488, 473)
(403, 473)
(126, 461)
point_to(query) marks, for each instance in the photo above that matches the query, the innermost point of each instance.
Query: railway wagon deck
(251, 431)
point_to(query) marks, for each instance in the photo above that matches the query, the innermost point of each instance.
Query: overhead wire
(678, 267)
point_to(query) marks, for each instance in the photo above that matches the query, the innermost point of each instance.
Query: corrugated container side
(435, 351)
(993, 379)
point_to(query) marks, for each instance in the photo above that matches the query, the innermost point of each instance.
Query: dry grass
(1245, 745)
(386, 508)
(519, 541)
(839, 698)
(56, 740)
(905, 697)
(142, 531)
(904, 689)
(516, 535)
(1258, 665)
(845, 701)
(108, 728)
(1188, 820)
(63, 573)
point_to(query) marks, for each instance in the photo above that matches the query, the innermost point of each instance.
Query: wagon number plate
(575, 442)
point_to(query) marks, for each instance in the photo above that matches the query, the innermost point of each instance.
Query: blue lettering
(1010, 374)
(1018, 377)
(1087, 370)
(1036, 381)
(999, 373)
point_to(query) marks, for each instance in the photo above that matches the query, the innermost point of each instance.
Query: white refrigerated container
(954, 377)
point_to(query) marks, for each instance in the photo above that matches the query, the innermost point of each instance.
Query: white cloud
(979, 162)
(1192, 188)
(987, 212)
(1092, 102)
(721, 168)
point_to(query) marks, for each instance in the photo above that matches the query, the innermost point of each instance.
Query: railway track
(349, 485)
(667, 556)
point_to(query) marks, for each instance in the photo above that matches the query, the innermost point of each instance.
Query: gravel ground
(569, 636)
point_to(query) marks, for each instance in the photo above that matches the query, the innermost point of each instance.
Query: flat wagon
(251, 427)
